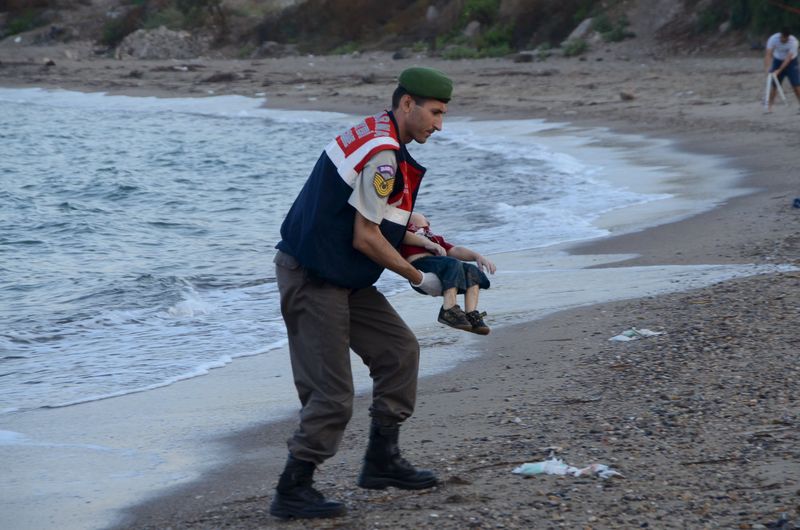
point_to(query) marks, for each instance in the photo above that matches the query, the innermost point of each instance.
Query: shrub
(585, 9)
(575, 47)
(709, 20)
(602, 24)
(459, 52)
(612, 31)
(345, 49)
(496, 51)
(497, 35)
(419, 47)
(171, 17)
(454, 38)
(117, 29)
(246, 51)
(25, 21)
(484, 11)
(617, 34)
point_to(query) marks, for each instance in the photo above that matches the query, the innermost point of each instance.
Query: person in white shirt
(781, 59)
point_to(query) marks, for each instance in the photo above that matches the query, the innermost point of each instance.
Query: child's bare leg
(471, 298)
(449, 298)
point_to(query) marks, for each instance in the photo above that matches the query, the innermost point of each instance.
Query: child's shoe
(478, 325)
(455, 318)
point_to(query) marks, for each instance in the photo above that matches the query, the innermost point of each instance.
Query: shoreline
(501, 394)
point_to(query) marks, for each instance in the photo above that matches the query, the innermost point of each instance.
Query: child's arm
(419, 241)
(466, 254)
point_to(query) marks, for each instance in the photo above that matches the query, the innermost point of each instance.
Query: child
(431, 253)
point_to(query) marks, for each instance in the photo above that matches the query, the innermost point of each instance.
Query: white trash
(556, 466)
(634, 334)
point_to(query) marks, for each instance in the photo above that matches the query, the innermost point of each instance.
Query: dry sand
(703, 421)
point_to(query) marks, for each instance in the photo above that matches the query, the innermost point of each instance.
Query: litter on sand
(634, 334)
(556, 466)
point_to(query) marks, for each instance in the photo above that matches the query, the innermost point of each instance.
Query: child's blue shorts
(452, 273)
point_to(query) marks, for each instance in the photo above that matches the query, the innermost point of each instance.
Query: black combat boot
(296, 497)
(383, 465)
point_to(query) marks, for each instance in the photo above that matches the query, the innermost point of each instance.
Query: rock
(402, 53)
(270, 48)
(581, 31)
(54, 34)
(523, 57)
(48, 62)
(626, 95)
(221, 77)
(472, 30)
(431, 14)
(161, 43)
(369, 78)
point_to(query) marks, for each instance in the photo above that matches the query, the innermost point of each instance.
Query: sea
(137, 233)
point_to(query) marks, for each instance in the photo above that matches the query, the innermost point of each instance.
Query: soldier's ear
(406, 103)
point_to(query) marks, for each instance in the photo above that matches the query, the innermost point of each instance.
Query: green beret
(426, 83)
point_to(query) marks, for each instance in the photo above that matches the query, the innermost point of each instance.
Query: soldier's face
(428, 118)
(421, 121)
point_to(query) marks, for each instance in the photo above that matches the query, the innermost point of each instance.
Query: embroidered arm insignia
(383, 186)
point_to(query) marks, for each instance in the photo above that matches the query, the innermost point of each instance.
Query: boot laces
(307, 490)
(403, 463)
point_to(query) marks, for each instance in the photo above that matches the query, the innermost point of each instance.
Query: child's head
(418, 220)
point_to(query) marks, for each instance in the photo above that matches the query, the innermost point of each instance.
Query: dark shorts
(452, 273)
(791, 71)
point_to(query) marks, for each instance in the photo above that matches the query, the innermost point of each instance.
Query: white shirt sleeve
(773, 41)
(373, 186)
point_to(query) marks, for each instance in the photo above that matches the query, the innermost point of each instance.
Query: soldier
(342, 231)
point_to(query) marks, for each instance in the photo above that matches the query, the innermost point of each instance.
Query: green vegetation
(755, 16)
(584, 10)
(118, 28)
(602, 23)
(419, 47)
(345, 49)
(709, 20)
(494, 41)
(484, 11)
(24, 21)
(496, 36)
(575, 47)
(455, 52)
(171, 18)
(612, 31)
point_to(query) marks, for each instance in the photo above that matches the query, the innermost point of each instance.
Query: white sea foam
(11, 438)
(192, 305)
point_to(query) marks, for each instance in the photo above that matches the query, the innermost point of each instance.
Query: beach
(701, 421)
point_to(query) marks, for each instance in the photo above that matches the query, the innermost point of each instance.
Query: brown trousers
(323, 323)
